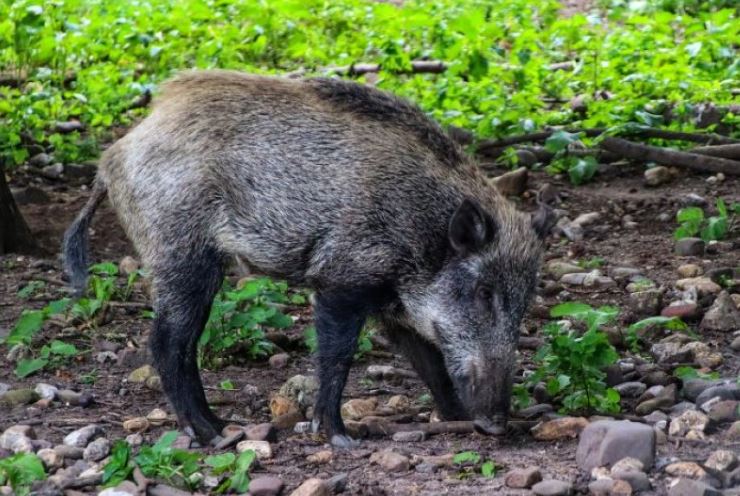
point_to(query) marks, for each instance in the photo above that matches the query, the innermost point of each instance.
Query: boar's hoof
(315, 425)
(343, 441)
(495, 427)
(215, 441)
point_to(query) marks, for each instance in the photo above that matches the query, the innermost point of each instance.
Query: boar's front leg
(186, 284)
(339, 317)
(429, 363)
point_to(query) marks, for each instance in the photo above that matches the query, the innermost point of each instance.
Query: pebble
(136, 440)
(17, 397)
(141, 374)
(125, 488)
(261, 432)
(97, 450)
(552, 487)
(301, 389)
(281, 405)
(685, 310)
(388, 372)
(279, 360)
(723, 392)
(514, 183)
(409, 436)
(724, 411)
(703, 285)
(690, 247)
(565, 427)
(138, 424)
(229, 440)
(46, 391)
(128, 265)
(320, 457)
(265, 486)
(638, 480)
(689, 270)
(609, 487)
(40, 160)
(73, 398)
(722, 460)
(53, 171)
(399, 403)
(262, 449)
(311, 487)
(390, 461)
(608, 441)
(735, 345)
(157, 417)
(655, 176)
(357, 409)
(51, 459)
(588, 279)
(688, 487)
(523, 478)
(558, 268)
(631, 389)
(69, 452)
(17, 439)
(689, 470)
(723, 315)
(691, 420)
(646, 302)
(82, 437)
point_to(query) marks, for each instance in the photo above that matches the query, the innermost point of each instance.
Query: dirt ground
(617, 192)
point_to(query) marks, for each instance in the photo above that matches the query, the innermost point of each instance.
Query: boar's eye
(484, 296)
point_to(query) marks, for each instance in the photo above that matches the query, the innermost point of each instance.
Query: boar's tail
(75, 244)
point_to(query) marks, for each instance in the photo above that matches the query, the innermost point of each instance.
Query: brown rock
(390, 461)
(559, 428)
(523, 478)
(312, 487)
(320, 457)
(359, 408)
(280, 405)
(690, 470)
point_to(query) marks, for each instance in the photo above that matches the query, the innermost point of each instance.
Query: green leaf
(220, 463)
(488, 469)
(569, 309)
(466, 457)
(62, 348)
(30, 323)
(27, 367)
(21, 470)
(119, 465)
(559, 141)
(104, 269)
(227, 385)
(583, 170)
(690, 214)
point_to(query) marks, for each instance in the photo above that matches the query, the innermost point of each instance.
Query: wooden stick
(452, 427)
(731, 151)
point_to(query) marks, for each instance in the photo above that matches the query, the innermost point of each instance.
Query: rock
(733, 432)
(685, 310)
(262, 449)
(390, 461)
(558, 268)
(628, 464)
(165, 490)
(97, 450)
(552, 487)
(68, 127)
(631, 389)
(723, 315)
(40, 160)
(689, 270)
(138, 424)
(154, 383)
(735, 345)
(17, 439)
(722, 460)
(670, 352)
(523, 478)
(399, 403)
(609, 487)
(690, 247)
(689, 470)
(688, 487)
(287, 421)
(53, 171)
(654, 404)
(125, 488)
(655, 176)
(82, 172)
(559, 428)
(338, 483)
(586, 219)
(311, 487)
(30, 195)
(724, 411)
(512, 183)
(301, 389)
(265, 486)
(279, 360)
(409, 436)
(691, 420)
(646, 302)
(51, 459)
(157, 417)
(69, 452)
(281, 405)
(73, 398)
(261, 432)
(17, 397)
(320, 457)
(141, 374)
(723, 392)
(638, 481)
(608, 441)
(692, 388)
(128, 265)
(588, 279)
(82, 437)
(357, 409)
(535, 411)
(229, 440)
(703, 285)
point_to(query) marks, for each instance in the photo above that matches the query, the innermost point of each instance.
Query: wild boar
(338, 187)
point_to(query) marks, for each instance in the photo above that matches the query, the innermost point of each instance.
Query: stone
(558, 268)
(723, 315)
(338, 483)
(733, 432)
(82, 437)
(17, 397)
(607, 441)
(17, 439)
(535, 411)
(512, 183)
(523, 478)
(588, 280)
(138, 424)
(390, 461)
(668, 352)
(559, 428)
(46, 391)
(357, 409)
(141, 374)
(399, 403)
(301, 389)
(157, 417)
(646, 302)
(638, 481)
(689, 270)
(692, 388)
(609, 487)
(409, 436)
(311, 487)
(320, 457)
(154, 383)
(552, 487)
(688, 487)
(97, 450)
(728, 391)
(691, 420)
(724, 411)
(281, 405)
(279, 360)
(165, 490)
(735, 345)
(53, 171)
(288, 421)
(51, 459)
(261, 432)
(69, 452)
(690, 470)
(74, 398)
(40, 160)
(67, 127)
(690, 247)
(125, 488)
(655, 176)
(262, 449)
(265, 486)
(586, 219)
(703, 285)
(721, 460)
(631, 389)
(128, 265)
(686, 310)
(628, 464)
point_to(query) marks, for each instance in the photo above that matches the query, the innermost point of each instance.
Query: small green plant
(632, 338)
(236, 465)
(30, 289)
(572, 364)
(20, 471)
(470, 461)
(592, 263)
(178, 467)
(693, 222)
(364, 343)
(685, 373)
(52, 355)
(227, 385)
(579, 169)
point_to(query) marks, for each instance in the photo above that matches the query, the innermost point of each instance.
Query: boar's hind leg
(185, 287)
(428, 362)
(339, 317)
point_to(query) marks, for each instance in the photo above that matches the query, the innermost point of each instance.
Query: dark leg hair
(185, 289)
(429, 363)
(340, 315)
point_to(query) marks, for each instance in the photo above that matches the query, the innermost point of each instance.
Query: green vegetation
(693, 221)
(364, 344)
(20, 471)
(179, 467)
(470, 461)
(90, 61)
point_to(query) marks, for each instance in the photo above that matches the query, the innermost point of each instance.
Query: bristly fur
(329, 184)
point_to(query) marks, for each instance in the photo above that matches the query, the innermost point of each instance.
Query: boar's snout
(485, 392)
(495, 426)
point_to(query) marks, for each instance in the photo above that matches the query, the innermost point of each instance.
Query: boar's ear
(543, 220)
(471, 228)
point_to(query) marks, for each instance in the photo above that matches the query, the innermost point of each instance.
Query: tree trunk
(15, 237)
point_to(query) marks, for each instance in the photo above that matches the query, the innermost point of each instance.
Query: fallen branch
(731, 151)
(452, 427)
(644, 153)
